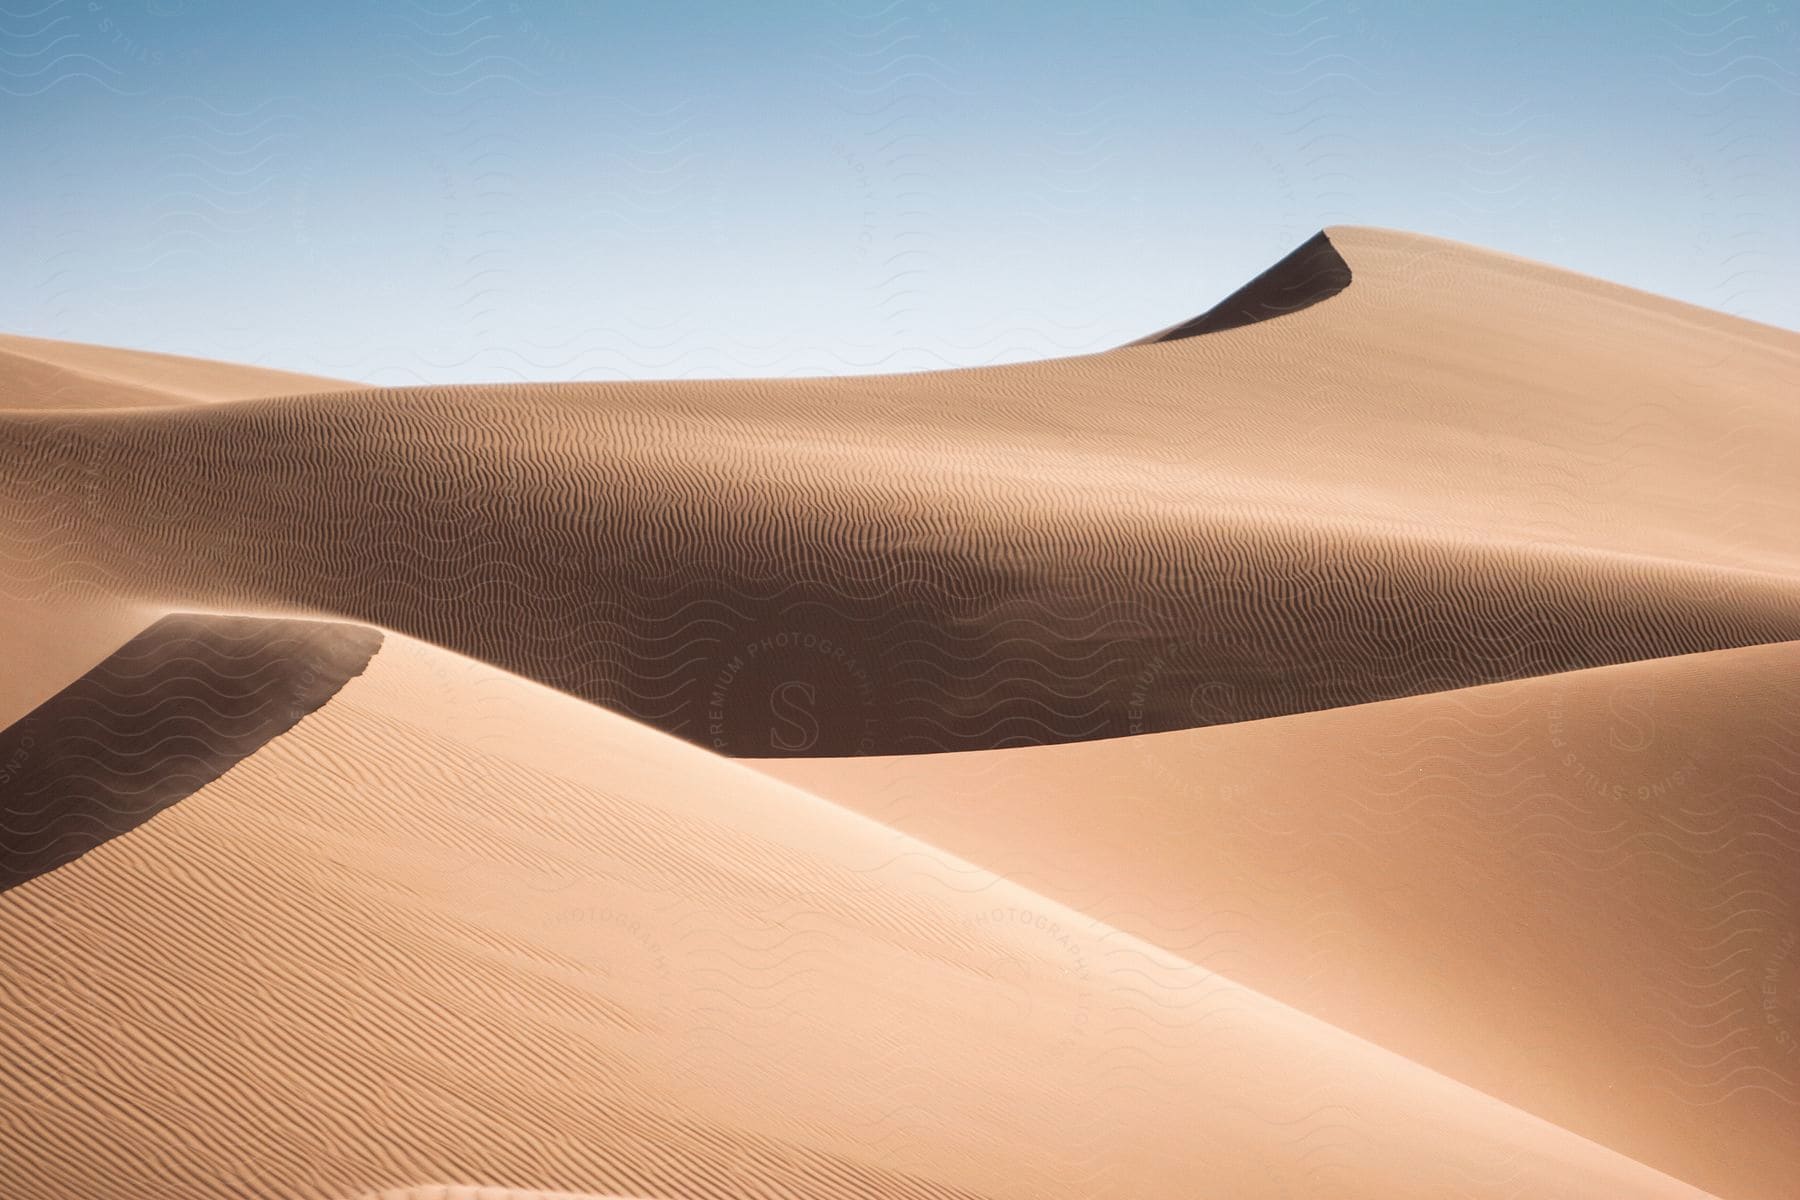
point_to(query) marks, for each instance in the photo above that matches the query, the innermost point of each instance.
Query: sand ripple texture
(417, 940)
(1458, 469)
(170, 711)
(1580, 892)
(1364, 766)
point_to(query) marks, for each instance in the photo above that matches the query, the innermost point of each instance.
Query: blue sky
(459, 190)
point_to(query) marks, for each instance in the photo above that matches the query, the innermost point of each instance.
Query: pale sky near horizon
(462, 190)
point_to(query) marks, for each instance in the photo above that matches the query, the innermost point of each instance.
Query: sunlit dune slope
(36, 373)
(1460, 468)
(454, 928)
(51, 640)
(1579, 893)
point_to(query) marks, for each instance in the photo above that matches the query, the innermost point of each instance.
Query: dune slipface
(170, 711)
(1369, 766)
(1313, 272)
(1461, 468)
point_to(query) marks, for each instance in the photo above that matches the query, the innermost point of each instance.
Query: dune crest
(1312, 272)
(1462, 469)
(168, 712)
(37, 373)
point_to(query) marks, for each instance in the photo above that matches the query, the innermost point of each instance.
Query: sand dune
(1314, 271)
(52, 641)
(37, 373)
(64, 615)
(1460, 469)
(168, 712)
(416, 940)
(1419, 627)
(1579, 893)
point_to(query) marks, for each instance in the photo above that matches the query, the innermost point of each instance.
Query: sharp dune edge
(1313, 272)
(170, 711)
(1419, 627)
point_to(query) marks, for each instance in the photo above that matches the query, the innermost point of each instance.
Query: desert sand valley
(1344, 745)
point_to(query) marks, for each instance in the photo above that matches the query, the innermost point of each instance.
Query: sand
(165, 714)
(1579, 893)
(1338, 746)
(417, 940)
(39, 373)
(1461, 469)
(1312, 272)
(62, 614)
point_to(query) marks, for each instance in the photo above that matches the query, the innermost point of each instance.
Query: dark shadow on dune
(169, 712)
(1313, 272)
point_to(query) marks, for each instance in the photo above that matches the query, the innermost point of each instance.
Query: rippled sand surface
(1340, 746)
